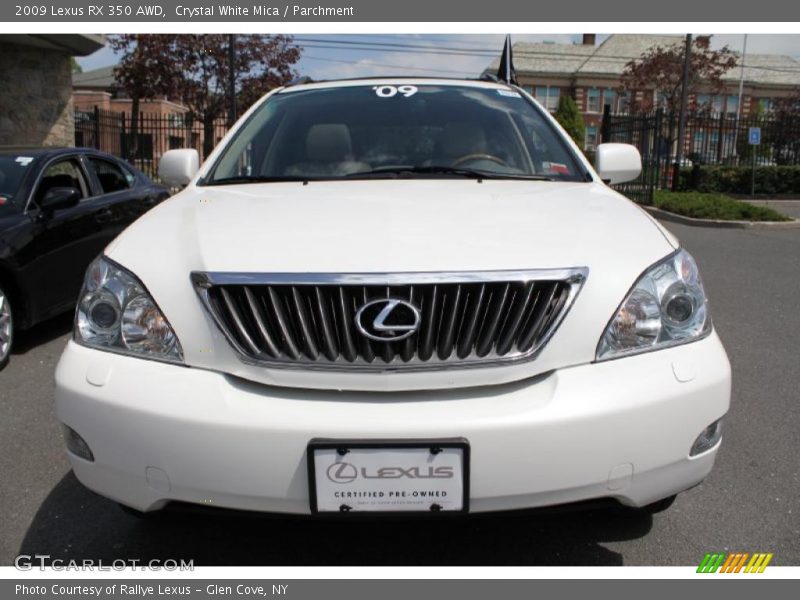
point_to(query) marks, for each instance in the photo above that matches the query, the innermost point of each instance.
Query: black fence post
(97, 127)
(123, 137)
(658, 154)
(605, 125)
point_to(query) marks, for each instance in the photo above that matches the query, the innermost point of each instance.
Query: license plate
(419, 476)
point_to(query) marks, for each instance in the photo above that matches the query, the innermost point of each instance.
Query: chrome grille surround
(305, 320)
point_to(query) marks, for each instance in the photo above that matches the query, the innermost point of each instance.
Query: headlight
(666, 307)
(116, 313)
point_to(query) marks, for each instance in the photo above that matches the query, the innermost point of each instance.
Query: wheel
(6, 328)
(479, 156)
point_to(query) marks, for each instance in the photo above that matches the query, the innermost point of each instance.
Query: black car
(59, 207)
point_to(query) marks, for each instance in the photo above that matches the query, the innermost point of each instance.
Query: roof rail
(300, 81)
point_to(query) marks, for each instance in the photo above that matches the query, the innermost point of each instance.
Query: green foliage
(713, 206)
(198, 69)
(772, 180)
(660, 68)
(76, 68)
(571, 119)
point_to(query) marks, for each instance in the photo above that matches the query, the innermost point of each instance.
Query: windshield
(383, 131)
(12, 171)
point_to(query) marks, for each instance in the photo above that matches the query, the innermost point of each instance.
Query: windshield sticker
(556, 168)
(509, 93)
(390, 91)
(24, 160)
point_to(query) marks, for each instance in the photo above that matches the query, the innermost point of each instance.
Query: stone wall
(36, 97)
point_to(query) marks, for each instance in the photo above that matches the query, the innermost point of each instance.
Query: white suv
(400, 295)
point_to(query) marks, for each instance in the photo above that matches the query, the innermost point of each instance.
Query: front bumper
(620, 429)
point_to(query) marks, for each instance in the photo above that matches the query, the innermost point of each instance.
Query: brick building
(104, 111)
(98, 88)
(591, 72)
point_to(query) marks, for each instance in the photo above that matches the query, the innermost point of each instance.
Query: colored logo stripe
(711, 562)
(735, 562)
(758, 563)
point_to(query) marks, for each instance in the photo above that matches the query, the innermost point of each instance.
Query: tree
(570, 119)
(785, 123)
(194, 69)
(201, 67)
(141, 75)
(74, 65)
(661, 69)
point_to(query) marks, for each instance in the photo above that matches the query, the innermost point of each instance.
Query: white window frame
(586, 143)
(589, 109)
(548, 102)
(614, 102)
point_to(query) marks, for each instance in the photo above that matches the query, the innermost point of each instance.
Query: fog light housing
(707, 439)
(77, 445)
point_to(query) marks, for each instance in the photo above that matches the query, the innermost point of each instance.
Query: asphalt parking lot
(751, 502)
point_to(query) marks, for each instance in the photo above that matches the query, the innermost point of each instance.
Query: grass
(699, 205)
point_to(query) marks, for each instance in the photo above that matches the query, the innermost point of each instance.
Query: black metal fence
(156, 133)
(645, 131)
(710, 139)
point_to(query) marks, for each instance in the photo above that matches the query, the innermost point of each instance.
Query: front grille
(309, 320)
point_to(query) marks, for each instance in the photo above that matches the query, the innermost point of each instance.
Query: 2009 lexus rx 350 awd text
(409, 295)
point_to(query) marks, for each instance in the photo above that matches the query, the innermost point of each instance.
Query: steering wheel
(479, 156)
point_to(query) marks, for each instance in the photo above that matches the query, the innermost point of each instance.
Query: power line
(358, 46)
(387, 66)
(370, 48)
(436, 47)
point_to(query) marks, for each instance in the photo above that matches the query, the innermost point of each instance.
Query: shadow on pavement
(74, 523)
(43, 333)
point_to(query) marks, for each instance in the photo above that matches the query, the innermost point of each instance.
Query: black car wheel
(6, 328)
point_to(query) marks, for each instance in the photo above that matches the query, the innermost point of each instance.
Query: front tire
(6, 328)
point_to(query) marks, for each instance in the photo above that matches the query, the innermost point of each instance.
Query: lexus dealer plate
(388, 476)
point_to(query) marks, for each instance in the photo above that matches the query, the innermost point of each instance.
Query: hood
(390, 226)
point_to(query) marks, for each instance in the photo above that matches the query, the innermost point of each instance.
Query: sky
(339, 56)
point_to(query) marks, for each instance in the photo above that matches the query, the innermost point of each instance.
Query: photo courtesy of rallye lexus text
(405, 296)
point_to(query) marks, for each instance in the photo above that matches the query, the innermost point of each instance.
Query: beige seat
(329, 152)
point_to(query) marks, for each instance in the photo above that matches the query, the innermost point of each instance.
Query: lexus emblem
(388, 320)
(341, 472)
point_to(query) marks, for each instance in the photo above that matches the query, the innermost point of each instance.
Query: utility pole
(687, 65)
(231, 80)
(739, 103)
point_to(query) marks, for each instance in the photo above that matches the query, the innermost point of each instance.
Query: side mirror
(178, 167)
(59, 198)
(618, 163)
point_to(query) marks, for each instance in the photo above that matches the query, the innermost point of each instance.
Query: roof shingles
(610, 57)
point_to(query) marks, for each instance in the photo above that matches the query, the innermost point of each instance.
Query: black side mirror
(59, 198)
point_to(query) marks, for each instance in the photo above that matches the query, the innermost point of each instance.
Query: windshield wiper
(395, 171)
(411, 170)
(254, 179)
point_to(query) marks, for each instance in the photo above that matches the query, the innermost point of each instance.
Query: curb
(793, 203)
(716, 223)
